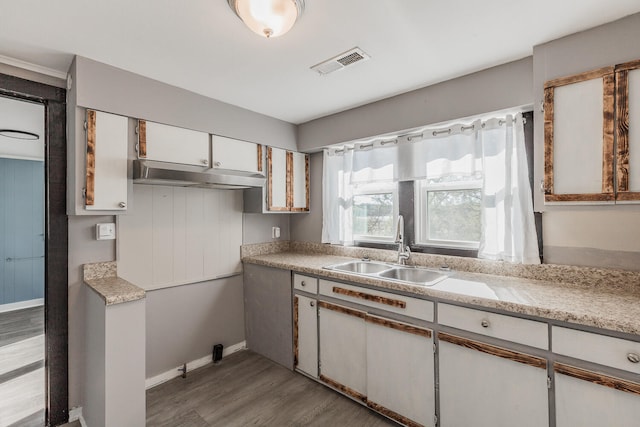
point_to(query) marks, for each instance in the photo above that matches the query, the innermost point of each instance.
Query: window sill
(421, 249)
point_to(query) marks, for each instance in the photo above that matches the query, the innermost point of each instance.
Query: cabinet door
(483, 385)
(107, 140)
(305, 335)
(172, 144)
(278, 179)
(400, 371)
(299, 181)
(589, 399)
(233, 154)
(343, 349)
(579, 137)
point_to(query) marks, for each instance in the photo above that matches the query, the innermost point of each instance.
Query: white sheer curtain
(492, 150)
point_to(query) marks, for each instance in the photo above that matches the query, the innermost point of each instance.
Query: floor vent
(341, 61)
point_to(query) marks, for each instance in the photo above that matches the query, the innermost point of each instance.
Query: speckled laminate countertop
(102, 277)
(614, 306)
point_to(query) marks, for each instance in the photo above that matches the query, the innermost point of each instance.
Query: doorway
(34, 255)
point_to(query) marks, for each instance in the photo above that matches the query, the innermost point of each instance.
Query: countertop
(614, 306)
(102, 278)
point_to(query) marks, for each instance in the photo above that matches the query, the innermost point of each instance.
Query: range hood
(174, 174)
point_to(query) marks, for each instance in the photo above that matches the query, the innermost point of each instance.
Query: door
(483, 385)
(172, 144)
(400, 371)
(278, 180)
(343, 349)
(22, 263)
(305, 335)
(299, 181)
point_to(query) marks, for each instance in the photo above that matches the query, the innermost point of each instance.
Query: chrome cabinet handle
(484, 323)
(205, 161)
(312, 304)
(217, 164)
(303, 283)
(122, 205)
(633, 357)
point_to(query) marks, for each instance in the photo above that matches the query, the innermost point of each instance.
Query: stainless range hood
(174, 174)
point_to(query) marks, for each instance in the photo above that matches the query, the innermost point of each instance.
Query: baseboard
(21, 304)
(75, 414)
(194, 364)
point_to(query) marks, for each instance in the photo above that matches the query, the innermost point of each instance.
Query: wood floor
(246, 389)
(22, 387)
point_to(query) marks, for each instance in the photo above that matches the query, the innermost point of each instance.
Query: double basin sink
(397, 273)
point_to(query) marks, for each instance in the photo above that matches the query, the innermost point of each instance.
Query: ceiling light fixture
(268, 18)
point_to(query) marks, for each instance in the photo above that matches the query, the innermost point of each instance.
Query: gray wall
(607, 236)
(83, 249)
(493, 89)
(184, 322)
(256, 228)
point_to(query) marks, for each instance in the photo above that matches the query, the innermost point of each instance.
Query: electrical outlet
(275, 232)
(106, 231)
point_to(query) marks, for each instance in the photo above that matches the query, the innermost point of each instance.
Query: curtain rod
(411, 137)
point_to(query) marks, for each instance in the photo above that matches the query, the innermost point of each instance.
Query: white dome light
(268, 18)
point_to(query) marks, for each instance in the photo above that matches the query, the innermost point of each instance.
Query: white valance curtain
(491, 150)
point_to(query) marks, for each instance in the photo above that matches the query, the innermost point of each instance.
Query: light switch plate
(275, 232)
(106, 231)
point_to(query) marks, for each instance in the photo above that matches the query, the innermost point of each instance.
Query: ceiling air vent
(341, 61)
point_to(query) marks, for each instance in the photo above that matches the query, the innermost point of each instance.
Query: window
(375, 209)
(448, 212)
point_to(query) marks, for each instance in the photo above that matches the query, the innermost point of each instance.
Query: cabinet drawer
(614, 352)
(523, 331)
(305, 283)
(412, 307)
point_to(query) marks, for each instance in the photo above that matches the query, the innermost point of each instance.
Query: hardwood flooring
(22, 377)
(247, 389)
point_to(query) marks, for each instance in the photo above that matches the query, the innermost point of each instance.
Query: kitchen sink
(362, 267)
(397, 273)
(415, 275)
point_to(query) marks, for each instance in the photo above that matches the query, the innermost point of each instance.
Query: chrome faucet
(403, 251)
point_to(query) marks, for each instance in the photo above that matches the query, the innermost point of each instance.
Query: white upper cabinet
(299, 181)
(106, 162)
(277, 181)
(233, 154)
(172, 144)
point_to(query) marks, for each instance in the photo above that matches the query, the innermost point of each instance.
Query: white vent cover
(341, 61)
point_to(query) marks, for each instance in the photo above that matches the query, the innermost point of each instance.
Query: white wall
(607, 236)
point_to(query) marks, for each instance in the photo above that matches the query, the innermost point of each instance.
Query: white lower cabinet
(484, 385)
(589, 399)
(305, 334)
(387, 364)
(343, 349)
(400, 371)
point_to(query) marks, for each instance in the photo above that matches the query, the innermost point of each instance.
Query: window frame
(373, 189)
(422, 189)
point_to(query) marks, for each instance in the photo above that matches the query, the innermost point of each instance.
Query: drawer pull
(633, 357)
(312, 304)
(484, 323)
(369, 297)
(303, 284)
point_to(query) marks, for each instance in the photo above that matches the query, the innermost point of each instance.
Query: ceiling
(200, 45)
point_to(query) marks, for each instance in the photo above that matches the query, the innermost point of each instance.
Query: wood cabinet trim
(343, 388)
(289, 180)
(89, 198)
(259, 157)
(514, 356)
(628, 196)
(142, 139)
(608, 130)
(628, 66)
(601, 379)
(598, 197)
(369, 297)
(580, 77)
(399, 326)
(341, 309)
(622, 130)
(296, 305)
(393, 415)
(548, 141)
